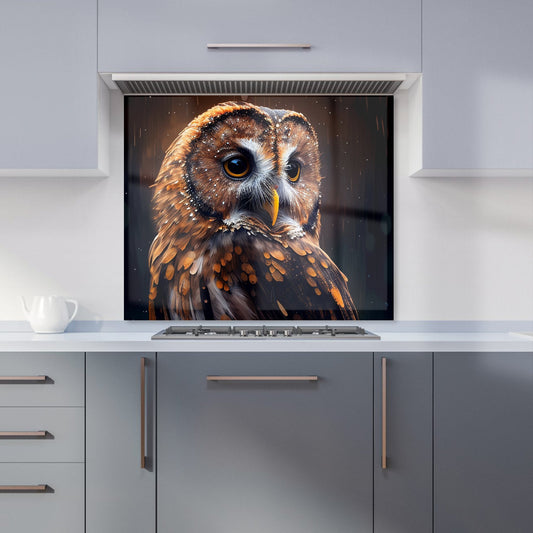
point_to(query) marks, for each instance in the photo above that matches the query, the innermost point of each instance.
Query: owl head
(241, 166)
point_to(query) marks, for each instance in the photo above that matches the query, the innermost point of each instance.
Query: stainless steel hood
(249, 84)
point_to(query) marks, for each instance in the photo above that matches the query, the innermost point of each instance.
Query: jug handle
(75, 303)
(24, 307)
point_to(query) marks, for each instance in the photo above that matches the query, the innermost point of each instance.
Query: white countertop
(395, 337)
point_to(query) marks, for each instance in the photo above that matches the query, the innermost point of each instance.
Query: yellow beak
(272, 207)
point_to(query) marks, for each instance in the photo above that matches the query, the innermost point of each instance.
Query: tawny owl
(237, 210)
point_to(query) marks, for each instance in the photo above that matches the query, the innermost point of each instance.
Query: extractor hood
(248, 84)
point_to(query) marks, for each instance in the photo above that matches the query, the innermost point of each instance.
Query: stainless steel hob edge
(264, 331)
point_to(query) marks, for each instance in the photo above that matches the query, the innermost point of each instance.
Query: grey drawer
(64, 384)
(63, 441)
(59, 509)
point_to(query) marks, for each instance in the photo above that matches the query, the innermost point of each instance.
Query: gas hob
(262, 331)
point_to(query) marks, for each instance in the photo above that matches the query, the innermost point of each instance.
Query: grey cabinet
(477, 109)
(45, 434)
(56, 509)
(263, 456)
(483, 442)
(50, 94)
(120, 494)
(403, 489)
(345, 36)
(42, 442)
(54, 379)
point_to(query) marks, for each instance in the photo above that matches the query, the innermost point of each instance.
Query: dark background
(355, 142)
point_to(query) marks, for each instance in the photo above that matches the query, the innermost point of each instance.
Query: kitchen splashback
(263, 207)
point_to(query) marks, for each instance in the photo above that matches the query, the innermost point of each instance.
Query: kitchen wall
(464, 247)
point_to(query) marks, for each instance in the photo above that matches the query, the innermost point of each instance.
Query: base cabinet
(264, 456)
(42, 442)
(120, 494)
(403, 482)
(53, 503)
(483, 442)
(239, 449)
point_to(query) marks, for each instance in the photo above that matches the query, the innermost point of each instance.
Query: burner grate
(261, 331)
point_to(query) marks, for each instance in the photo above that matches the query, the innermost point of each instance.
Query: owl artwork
(236, 206)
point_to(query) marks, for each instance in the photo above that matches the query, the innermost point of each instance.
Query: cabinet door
(345, 35)
(264, 456)
(477, 88)
(483, 442)
(49, 95)
(403, 489)
(120, 495)
(53, 505)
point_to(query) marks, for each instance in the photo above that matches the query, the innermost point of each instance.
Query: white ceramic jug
(49, 314)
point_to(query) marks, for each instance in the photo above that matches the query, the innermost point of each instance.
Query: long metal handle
(35, 379)
(383, 413)
(23, 488)
(23, 434)
(143, 412)
(303, 46)
(262, 378)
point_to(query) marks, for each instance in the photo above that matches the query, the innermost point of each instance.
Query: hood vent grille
(273, 87)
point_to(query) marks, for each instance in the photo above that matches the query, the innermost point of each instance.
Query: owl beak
(272, 207)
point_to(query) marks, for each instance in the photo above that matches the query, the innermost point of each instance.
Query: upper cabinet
(477, 89)
(344, 36)
(50, 92)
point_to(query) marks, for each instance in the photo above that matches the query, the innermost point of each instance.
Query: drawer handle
(384, 413)
(23, 434)
(143, 411)
(18, 379)
(262, 378)
(24, 488)
(248, 46)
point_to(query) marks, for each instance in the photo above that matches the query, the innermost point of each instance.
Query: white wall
(65, 236)
(463, 246)
(463, 250)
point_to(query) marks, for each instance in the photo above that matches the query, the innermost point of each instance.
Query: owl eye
(237, 166)
(293, 170)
